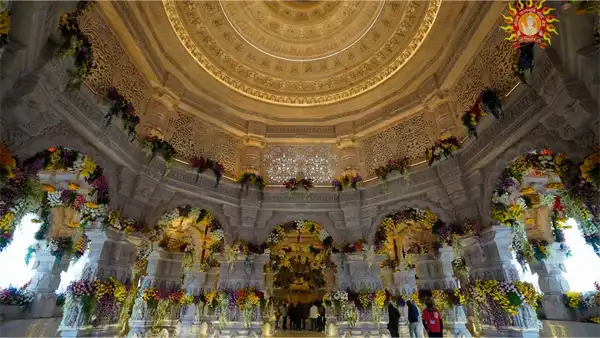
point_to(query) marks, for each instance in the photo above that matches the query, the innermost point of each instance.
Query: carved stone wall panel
(319, 162)
(193, 137)
(498, 56)
(408, 138)
(114, 66)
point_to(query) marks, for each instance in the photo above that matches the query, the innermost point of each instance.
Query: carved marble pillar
(491, 258)
(164, 272)
(212, 277)
(254, 142)
(46, 280)
(553, 284)
(405, 280)
(191, 315)
(435, 273)
(110, 256)
(350, 204)
(348, 146)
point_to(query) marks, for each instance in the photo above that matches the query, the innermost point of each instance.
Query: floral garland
(245, 299)
(309, 227)
(99, 300)
(22, 192)
(590, 168)
(496, 302)
(78, 45)
(81, 246)
(201, 164)
(153, 146)
(400, 165)
(185, 213)
(122, 108)
(247, 179)
(443, 299)
(471, 118)
(487, 103)
(127, 225)
(60, 246)
(442, 148)
(4, 25)
(19, 297)
(426, 219)
(524, 61)
(578, 195)
(295, 183)
(389, 263)
(347, 181)
(338, 299)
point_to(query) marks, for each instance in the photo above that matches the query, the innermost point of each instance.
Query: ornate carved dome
(302, 52)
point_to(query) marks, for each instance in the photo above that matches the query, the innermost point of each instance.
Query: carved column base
(363, 329)
(46, 281)
(455, 322)
(144, 329)
(236, 329)
(555, 309)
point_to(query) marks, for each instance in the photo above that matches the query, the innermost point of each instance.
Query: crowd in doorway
(430, 318)
(300, 317)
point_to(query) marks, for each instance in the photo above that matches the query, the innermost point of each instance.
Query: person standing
(292, 314)
(394, 320)
(413, 319)
(321, 317)
(304, 316)
(432, 321)
(313, 314)
(284, 313)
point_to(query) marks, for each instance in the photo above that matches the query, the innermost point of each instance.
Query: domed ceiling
(302, 52)
(302, 62)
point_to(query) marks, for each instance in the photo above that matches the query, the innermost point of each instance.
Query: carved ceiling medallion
(300, 53)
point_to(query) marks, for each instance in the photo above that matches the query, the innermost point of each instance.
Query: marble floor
(305, 334)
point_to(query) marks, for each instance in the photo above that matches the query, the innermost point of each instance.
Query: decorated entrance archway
(299, 261)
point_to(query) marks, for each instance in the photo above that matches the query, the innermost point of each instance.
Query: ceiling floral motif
(251, 46)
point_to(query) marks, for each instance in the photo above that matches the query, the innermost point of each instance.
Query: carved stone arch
(531, 142)
(65, 137)
(283, 217)
(407, 204)
(177, 201)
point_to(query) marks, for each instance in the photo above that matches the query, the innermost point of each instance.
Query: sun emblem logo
(530, 21)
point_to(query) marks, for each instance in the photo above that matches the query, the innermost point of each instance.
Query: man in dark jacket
(413, 319)
(394, 320)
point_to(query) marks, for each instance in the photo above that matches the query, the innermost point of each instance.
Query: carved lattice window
(318, 162)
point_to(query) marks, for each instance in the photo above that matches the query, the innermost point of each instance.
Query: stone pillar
(254, 142)
(46, 280)
(212, 277)
(357, 271)
(348, 146)
(405, 280)
(435, 273)
(553, 284)
(109, 257)
(491, 258)
(241, 271)
(164, 273)
(191, 315)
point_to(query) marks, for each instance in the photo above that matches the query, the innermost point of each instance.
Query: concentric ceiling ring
(352, 68)
(333, 53)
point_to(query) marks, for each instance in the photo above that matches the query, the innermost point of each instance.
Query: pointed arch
(320, 218)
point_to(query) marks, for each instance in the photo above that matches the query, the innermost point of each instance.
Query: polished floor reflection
(306, 334)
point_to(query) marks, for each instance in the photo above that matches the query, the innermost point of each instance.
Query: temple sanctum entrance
(300, 269)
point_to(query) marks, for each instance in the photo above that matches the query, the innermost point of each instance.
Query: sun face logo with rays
(530, 21)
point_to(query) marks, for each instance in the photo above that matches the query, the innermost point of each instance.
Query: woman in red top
(432, 321)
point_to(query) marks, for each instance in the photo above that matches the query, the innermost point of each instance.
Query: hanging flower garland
(296, 183)
(347, 181)
(400, 165)
(471, 118)
(201, 164)
(153, 145)
(487, 103)
(523, 65)
(81, 246)
(127, 225)
(17, 297)
(248, 179)
(123, 109)
(309, 227)
(77, 45)
(442, 149)
(426, 219)
(590, 168)
(579, 196)
(100, 301)
(496, 302)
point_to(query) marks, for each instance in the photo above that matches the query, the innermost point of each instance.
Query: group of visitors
(298, 314)
(431, 319)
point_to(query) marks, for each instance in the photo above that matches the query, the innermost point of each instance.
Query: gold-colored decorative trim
(301, 101)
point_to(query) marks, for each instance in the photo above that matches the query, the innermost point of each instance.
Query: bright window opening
(12, 259)
(582, 266)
